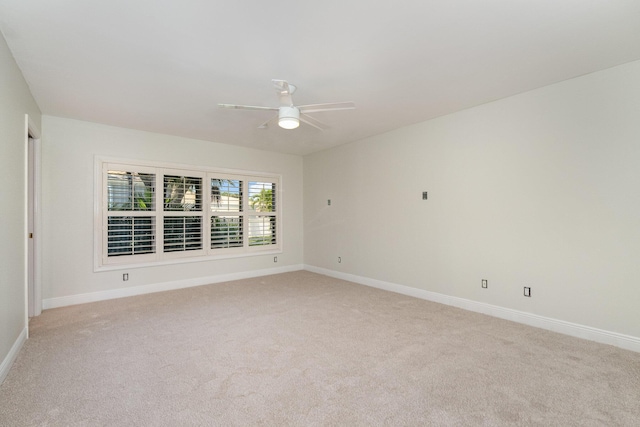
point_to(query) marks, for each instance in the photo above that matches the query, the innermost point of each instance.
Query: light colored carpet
(305, 349)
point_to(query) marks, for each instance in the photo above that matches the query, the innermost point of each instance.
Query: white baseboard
(626, 342)
(164, 286)
(6, 364)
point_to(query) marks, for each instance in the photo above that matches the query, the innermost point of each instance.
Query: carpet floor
(304, 349)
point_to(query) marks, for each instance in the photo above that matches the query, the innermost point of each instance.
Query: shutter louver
(262, 196)
(226, 232)
(262, 230)
(182, 233)
(130, 235)
(226, 195)
(130, 191)
(182, 193)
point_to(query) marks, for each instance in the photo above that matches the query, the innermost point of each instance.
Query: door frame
(33, 220)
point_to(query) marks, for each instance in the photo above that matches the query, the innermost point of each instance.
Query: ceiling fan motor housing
(288, 117)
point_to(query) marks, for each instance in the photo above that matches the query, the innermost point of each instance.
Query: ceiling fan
(289, 115)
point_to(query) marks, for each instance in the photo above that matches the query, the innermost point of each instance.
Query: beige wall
(69, 149)
(540, 189)
(15, 102)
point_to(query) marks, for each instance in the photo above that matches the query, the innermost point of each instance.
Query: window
(130, 220)
(150, 214)
(262, 218)
(227, 204)
(183, 215)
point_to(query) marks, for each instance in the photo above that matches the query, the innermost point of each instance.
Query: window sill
(185, 260)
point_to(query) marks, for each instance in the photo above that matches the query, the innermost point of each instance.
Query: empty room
(329, 213)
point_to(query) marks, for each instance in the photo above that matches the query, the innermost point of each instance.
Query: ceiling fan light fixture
(288, 117)
(288, 113)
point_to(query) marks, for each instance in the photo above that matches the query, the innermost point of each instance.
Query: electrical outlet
(275, 259)
(424, 195)
(339, 260)
(527, 291)
(328, 202)
(485, 283)
(125, 277)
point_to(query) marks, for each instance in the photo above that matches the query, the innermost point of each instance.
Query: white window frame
(104, 262)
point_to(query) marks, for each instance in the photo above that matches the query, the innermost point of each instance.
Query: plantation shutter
(227, 221)
(262, 213)
(130, 220)
(183, 213)
(152, 214)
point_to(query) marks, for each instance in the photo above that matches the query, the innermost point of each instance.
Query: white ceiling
(164, 65)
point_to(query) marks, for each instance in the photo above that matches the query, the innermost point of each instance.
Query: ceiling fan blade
(265, 125)
(246, 107)
(312, 122)
(333, 106)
